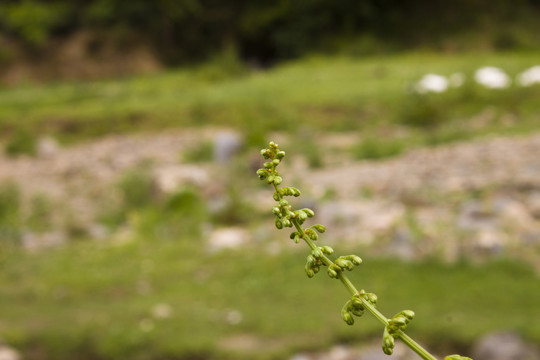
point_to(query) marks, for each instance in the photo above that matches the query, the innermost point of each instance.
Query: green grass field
(371, 95)
(97, 301)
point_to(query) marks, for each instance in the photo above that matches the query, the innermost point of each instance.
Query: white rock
(432, 83)
(492, 77)
(530, 76)
(7, 353)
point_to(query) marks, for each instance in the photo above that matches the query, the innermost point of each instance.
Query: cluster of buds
(356, 307)
(343, 263)
(361, 300)
(395, 327)
(314, 260)
(268, 172)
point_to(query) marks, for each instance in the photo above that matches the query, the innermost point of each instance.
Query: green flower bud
(267, 165)
(317, 253)
(456, 357)
(275, 196)
(320, 228)
(280, 154)
(270, 179)
(357, 304)
(286, 223)
(273, 145)
(332, 273)
(309, 271)
(388, 342)
(265, 153)
(276, 211)
(309, 212)
(311, 259)
(279, 224)
(356, 260)
(262, 173)
(346, 315)
(409, 314)
(275, 161)
(327, 250)
(399, 320)
(372, 298)
(283, 203)
(278, 180)
(295, 192)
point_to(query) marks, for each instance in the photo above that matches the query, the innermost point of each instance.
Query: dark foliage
(266, 31)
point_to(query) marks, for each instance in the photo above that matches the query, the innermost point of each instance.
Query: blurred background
(133, 226)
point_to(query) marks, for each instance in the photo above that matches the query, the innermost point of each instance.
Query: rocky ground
(478, 198)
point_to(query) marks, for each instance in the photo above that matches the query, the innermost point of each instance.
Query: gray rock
(504, 346)
(226, 145)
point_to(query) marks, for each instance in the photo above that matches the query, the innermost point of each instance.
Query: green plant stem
(413, 345)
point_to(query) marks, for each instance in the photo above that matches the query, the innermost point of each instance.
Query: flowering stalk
(360, 301)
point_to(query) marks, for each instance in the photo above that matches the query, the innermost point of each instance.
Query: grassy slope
(93, 300)
(336, 93)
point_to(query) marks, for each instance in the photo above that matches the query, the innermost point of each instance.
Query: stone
(8, 353)
(226, 145)
(504, 346)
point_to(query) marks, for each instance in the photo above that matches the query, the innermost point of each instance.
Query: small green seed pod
(332, 273)
(309, 212)
(409, 314)
(372, 298)
(327, 250)
(388, 342)
(399, 320)
(357, 304)
(346, 315)
(356, 260)
(309, 271)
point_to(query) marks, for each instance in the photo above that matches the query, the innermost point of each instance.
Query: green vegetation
(367, 95)
(98, 300)
(190, 30)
